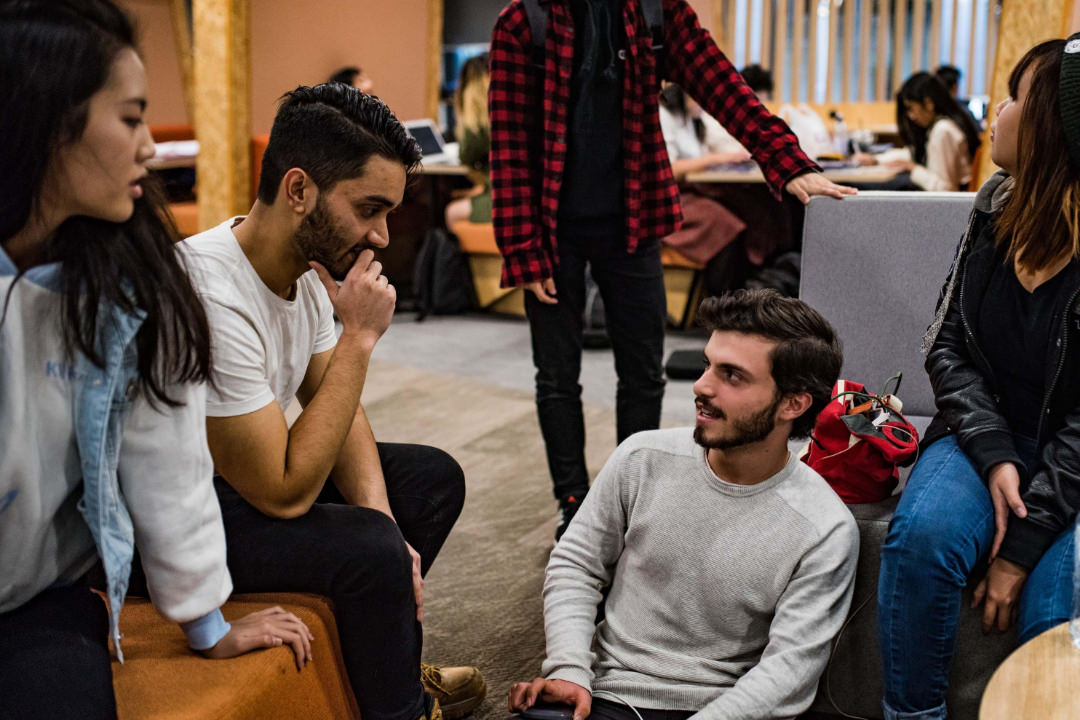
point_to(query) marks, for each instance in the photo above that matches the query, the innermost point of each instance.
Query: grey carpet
(483, 604)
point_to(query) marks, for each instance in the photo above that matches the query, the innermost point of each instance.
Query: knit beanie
(1069, 97)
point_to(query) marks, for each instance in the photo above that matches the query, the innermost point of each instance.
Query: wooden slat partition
(881, 90)
(779, 64)
(881, 30)
(899, 15)
(967, 80)
(955, 35)
(767, 33)
(830, 64)
(865, 9)
(812, 50)
(849, 48)
(935, 33)
(918, 31)
(797, 65)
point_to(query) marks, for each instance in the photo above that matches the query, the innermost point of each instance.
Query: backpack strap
(538, 20)
(653, 10)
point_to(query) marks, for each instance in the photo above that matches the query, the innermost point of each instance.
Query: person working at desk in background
(580, 174)
(940, 137)
(473, 132)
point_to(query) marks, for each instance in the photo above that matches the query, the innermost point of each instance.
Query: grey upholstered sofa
(873, 265)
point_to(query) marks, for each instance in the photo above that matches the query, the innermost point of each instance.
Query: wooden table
(752, 174)
(1040, 681)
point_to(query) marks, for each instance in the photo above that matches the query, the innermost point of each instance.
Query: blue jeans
(943, 527)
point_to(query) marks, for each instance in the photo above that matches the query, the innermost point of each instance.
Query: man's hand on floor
(524, 695)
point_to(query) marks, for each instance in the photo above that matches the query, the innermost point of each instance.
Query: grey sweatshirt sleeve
(581, 565)
(808, 616)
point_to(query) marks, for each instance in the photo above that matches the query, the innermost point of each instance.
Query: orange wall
(158, 47)
(294, 43)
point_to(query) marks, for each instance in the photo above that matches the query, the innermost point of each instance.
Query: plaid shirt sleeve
(695, 62)
(515, 108)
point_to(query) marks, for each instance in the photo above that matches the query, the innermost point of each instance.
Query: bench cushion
(162, 678)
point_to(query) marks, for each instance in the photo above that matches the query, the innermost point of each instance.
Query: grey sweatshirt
(724, 598)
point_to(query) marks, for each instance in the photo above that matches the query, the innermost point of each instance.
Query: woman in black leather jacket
(1000, 475)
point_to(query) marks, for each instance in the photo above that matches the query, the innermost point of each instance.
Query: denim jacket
(105, 397)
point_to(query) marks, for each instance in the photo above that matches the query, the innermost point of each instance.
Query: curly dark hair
(808, 355)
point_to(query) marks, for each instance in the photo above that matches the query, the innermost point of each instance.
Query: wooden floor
(483, 604)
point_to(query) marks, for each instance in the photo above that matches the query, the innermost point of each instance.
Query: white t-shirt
(262, 343)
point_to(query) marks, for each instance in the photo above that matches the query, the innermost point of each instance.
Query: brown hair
(1040, 223)
(807, 356)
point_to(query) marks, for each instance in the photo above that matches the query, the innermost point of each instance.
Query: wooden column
(222, 108)
(1024, 23)
(434, 56)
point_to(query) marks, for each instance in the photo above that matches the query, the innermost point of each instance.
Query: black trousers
(357, 557)
(604, 709)
(635, 306)
(54, 657)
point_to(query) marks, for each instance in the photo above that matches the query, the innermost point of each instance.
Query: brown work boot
(458, 690)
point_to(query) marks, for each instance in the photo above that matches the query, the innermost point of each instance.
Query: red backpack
(859, 440)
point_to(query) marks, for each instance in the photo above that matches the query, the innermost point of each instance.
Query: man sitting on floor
(336, 165)
(728, 562)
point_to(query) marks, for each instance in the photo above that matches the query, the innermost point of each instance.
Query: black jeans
(635, 305)
(54, 657)
(357, 557)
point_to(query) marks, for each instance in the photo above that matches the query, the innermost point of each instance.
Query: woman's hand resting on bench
(265, 629)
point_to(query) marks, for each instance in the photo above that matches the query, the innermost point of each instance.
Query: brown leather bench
(162, 679)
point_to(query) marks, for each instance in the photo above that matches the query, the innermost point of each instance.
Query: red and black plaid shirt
(529, 128)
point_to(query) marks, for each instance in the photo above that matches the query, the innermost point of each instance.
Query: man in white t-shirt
(320, 506)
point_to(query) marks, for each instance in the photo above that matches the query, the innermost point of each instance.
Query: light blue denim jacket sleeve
(104, 397)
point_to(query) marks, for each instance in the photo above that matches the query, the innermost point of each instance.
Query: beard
(320, 240)
(744, 430)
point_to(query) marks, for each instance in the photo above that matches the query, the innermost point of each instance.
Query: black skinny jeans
(54, 657)
(635, 306)
(357, 557)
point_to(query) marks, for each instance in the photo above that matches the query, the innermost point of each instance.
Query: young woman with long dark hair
(940, 137)
(998, 479)
(104, 354)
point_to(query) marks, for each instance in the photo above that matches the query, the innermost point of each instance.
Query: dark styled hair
(1040, 223)
(330, 131)
(54, 56)
(949, 76)
(916, 89)
(758, 78)
(807, 356)
(346, 75)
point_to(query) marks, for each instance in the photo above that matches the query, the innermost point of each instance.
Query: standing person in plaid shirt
(580, 174)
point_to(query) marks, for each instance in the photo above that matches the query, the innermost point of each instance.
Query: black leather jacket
(967, 400)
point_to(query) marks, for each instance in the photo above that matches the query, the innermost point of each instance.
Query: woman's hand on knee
(265, 629)
(1001, 590)
(1005, 494)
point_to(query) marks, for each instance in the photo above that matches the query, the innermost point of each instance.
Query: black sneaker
(568, 508)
